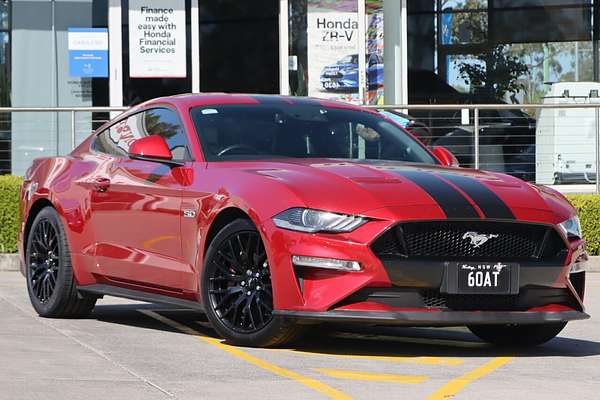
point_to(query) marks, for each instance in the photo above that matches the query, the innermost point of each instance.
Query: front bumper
(436, 318)
(315, 294)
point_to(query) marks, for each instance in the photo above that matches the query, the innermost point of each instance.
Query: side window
(116, 140)
(166, 123)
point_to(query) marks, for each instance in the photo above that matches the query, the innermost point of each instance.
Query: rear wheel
(517, 335)
(237, 290)
(50, 280)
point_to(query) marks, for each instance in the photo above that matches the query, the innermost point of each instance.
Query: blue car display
(343, 75)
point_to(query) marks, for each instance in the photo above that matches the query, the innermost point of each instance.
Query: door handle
(102, 184)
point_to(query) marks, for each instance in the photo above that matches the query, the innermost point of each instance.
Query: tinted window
(158, 121)
(165, 123)
(243, 132)
(116, 139)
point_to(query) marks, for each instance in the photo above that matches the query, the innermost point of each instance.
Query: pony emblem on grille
(478, 239)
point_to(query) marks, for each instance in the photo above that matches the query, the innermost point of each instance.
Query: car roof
(191, 100)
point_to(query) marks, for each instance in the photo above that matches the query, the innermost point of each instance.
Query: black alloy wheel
(240, 288)
(237, 289)
(43, 260)
(50, 279)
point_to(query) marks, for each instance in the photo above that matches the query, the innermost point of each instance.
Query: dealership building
(72, 53)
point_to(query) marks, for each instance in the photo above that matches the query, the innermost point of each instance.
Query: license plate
(486, 277)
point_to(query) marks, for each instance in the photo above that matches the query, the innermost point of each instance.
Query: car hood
(363, 187)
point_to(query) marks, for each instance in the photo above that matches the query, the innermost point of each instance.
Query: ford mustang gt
(271, 214)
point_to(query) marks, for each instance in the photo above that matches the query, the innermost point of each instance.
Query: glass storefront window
(5, 120)
(464, 5)
(137, 90)
(239, 45)
(324, 49)
(464, 27)
(324, 46)
(501, 51)
(4, 14)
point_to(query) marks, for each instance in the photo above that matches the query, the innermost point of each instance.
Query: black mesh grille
(453, 240)
(433, 299)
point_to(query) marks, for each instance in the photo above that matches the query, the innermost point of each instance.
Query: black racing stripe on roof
(450, 200)
(488, 202)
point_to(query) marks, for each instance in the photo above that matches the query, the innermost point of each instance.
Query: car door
(136, 206)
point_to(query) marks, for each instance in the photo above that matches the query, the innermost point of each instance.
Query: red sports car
(272, 213)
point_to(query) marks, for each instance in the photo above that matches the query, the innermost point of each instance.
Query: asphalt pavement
(131, 350)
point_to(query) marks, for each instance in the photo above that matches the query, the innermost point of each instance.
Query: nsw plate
(485, 277)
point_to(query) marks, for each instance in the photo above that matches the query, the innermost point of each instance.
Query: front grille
(434, 299)
(450, 240)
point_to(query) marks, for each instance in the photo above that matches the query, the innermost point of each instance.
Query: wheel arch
(34, 210)
(222, 219)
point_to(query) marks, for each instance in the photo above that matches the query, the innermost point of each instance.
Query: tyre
(237, 291)
(50, 280)
(517, 335)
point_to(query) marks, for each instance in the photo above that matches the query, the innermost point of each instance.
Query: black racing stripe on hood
(450, 200)
(488, 202)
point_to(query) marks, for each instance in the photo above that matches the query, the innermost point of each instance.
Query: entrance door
(239, 46)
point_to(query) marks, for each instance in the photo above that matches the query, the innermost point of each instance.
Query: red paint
(152, 147)
(445, 156)
(134, 234)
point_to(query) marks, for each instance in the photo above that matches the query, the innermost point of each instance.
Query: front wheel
(237, 290)
(517, 335)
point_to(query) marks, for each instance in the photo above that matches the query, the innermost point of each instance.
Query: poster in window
(333, 46)
(157, 39)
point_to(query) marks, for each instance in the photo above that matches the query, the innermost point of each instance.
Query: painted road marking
(370, 376)
(311, 383)
(423, 360)
(454, 386)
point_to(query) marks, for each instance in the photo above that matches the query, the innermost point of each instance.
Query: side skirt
(109, 290)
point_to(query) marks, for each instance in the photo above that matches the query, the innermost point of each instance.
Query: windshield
(264, 131)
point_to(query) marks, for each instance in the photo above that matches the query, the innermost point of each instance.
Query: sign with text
(88, 52)
(157, 47)
(333, 55)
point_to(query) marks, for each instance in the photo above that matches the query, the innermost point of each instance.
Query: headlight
(307, 220)
(572, 228)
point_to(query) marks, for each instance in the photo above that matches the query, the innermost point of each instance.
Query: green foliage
(9, 212)
(588, 207)
(497, 73)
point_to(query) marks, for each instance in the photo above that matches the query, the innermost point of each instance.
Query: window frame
(135, 113)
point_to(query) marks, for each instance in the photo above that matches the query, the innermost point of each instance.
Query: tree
(497, 74)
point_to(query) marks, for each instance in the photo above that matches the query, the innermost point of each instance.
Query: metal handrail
(72, 110)
(477, 106)
(62, 109)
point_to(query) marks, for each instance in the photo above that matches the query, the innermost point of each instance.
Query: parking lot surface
(132, 350)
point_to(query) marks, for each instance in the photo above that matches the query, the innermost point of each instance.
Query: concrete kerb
(9, 262)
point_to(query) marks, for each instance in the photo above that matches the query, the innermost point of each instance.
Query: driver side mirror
(445, 157)
(152, 148)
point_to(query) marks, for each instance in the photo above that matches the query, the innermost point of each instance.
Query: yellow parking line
(422, 360)
(311, 383)
(451, 388)
(370, 376)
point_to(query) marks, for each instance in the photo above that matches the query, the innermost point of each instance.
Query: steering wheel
(237, 147)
